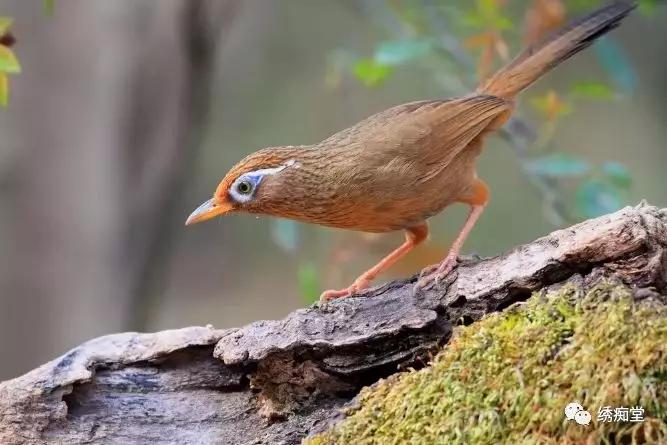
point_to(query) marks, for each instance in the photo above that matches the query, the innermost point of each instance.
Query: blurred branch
(204, 27)
(279, 381)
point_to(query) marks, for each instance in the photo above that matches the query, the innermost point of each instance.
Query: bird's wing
(420, 136)
(375, 125)
(453, 126)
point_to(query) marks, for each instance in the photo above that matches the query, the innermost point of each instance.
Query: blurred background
(127, 113)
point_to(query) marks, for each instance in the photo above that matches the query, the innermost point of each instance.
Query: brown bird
(397, 168)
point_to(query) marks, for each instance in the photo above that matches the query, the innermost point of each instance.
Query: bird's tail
(541, 57)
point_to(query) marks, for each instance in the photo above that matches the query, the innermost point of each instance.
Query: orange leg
(477, 201)
(413, 236)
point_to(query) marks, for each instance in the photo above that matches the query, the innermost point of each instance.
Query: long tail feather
(542, 57)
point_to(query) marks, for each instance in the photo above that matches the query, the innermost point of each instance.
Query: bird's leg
(477, 199)
(413, 236)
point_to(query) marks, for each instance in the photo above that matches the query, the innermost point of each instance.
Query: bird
(397, 168)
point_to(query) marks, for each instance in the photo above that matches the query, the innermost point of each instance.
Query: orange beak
(209, 209)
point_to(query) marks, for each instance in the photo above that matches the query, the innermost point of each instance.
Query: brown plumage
(401, 166)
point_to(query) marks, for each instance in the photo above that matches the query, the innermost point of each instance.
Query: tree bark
(276, 382)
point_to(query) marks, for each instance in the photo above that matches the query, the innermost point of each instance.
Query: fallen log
(279, 381)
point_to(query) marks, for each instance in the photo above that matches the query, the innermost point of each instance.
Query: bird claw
(428, 270)
(435, 273)
(332, 294)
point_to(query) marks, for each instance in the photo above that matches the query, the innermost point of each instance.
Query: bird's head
(254, 185)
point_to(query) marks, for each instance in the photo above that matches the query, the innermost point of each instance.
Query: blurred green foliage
(9, 64)
(558, 165)
(309, 283)
(617, 64)
(49, 7)
(592, 90)
(645, 6)
(285, 233)
(617, 174)
(486, 15)
(402, 51)
(371, 72)
(605, 191)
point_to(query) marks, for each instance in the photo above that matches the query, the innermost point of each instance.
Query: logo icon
(574, 411)
(582, 417)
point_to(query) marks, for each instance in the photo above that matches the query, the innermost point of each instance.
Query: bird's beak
(208, 210)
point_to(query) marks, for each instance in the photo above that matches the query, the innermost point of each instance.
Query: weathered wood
(277, 381)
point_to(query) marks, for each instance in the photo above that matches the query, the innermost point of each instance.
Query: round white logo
(582, 417)
(574, 411)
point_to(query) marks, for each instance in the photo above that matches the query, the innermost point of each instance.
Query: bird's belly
(389, 213)
(397, 203)
(410, 209)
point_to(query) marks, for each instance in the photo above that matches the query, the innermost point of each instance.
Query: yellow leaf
(4, 90)
(552, 106)
(5, 24)
(8, 61)
(481, 40)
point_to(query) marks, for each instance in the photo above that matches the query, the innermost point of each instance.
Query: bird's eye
(244, 187)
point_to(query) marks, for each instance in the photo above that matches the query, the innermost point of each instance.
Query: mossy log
(278, 382)
(508, 378)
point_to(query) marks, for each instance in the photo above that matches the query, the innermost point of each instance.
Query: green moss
(508, 378)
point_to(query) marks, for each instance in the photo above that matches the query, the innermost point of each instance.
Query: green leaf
(474, 20)
(49, 7)
(487, 7)
(4, 90)
(594, 198)
(285, 234)
(499, 22)
(370, 72)
(558, 165)
(400, 51)
(5, 24)
(502, 23)
(617, 174)
(8, 61)
(487, 15)
(592, 90)
(614, 60)
(308, 282)
(648, 7)
(552, 106)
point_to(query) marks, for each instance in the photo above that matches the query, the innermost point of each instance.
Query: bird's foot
(435, 273)
(332, 294)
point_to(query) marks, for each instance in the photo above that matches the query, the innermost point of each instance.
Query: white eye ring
(254, 178)
(236, 190)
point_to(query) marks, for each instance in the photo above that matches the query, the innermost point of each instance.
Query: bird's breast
(375, 206)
